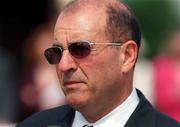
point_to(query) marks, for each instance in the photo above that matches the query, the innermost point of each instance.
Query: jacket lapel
(144, 115)
(66, 119)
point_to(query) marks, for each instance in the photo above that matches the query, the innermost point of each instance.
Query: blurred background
(28, 84)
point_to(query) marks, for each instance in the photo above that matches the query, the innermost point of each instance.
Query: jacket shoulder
(145, 115)
(47, 117)
(163, 120)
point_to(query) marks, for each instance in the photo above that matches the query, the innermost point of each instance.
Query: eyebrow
(55, 45)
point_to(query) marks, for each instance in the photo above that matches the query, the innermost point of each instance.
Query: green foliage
(156, 18)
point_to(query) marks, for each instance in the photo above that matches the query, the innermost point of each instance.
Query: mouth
(73, 84)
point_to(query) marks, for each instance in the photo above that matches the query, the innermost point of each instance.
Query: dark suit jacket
(144, 116)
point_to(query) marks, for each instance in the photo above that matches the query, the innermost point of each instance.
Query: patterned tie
(87, 126)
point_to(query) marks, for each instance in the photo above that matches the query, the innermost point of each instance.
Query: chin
(77, 102)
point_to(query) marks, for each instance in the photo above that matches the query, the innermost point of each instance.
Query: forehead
(81, 23)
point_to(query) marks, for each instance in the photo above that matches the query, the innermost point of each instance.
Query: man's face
(96, 78)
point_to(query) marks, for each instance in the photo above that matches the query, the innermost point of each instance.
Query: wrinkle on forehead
(79, 25)
(88, 20)
(71, 29)
(71, 35)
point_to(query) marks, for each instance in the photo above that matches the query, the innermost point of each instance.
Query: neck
(94, 112)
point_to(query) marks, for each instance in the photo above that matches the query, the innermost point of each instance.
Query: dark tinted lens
(80, 49)
(53, 55)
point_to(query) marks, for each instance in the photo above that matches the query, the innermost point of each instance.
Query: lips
(69, 83)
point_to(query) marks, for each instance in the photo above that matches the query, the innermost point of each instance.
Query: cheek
(102, 65)
(100, 71)
(59, 74)
(106, 68)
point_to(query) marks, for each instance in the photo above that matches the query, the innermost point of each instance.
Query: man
(95, 51)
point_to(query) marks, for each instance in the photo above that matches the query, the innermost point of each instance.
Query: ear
(129, 51)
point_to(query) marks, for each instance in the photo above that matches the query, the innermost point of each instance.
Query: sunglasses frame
(91, 45)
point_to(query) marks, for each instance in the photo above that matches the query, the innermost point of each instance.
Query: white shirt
(117, 118)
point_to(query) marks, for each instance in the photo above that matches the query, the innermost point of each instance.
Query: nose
(67, 63)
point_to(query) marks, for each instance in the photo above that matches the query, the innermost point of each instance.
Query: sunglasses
(78, 50)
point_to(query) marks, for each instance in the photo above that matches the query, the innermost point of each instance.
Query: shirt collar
(118, 117)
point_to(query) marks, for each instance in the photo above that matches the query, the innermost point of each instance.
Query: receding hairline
(77, 5)
(107, 7)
